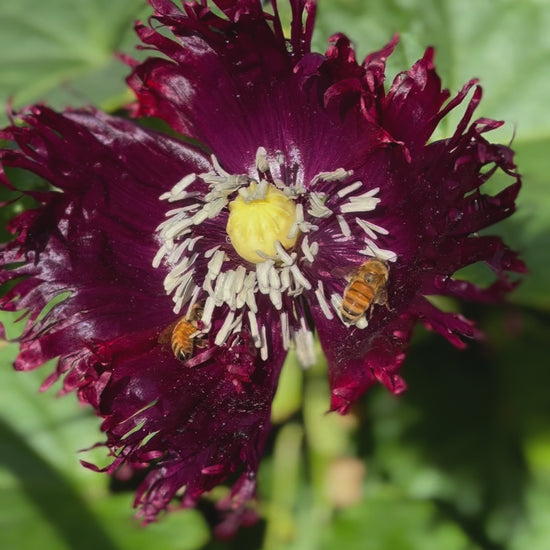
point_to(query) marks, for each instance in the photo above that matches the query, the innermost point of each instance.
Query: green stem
(286, 472)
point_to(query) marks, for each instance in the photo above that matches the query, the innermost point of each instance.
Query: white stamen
(213, 208)
(253, 324)
(336, 175)
(225, 329)
(262, 165)
(219, 288)
(372, 250)
(299, 277)
(207, 285)
(229, 294)
(344, 227)
(314, 248)
(362, 322)
(274, 281)
(159, 256)
(192, 302)
(238, 324)
(185, 281)
(365, 227)
(211, 251)
(218, 168)
(276, 298)
(250, 280)
(246, 294)
(323, 301)
(172, 280)
(178, 304)
(279, 184)
(298, 220)
(318, 208)
(182, 211)
(175, 255)
(306, 227)
(240, 274)
(193, 242)
(250, 300)
(336, 301)
(200, 216)
(262, 275)
(282, 254)
(285, 331)
(241, 298)
(373, 227)
(307, 250)
(305, 347)
(177, 192)
(285, 278)
(209, 306)
(361, 203)
(215, 264)
(174, 227)
(263, 352)
(349, 189)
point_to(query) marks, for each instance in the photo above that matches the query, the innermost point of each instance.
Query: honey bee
(183, 335)
(366, 286)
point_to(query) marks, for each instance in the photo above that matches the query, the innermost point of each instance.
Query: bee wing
(165, 336)
(381, 296)
(343, 272)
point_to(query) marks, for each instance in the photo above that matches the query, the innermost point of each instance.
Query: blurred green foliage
(461, 461)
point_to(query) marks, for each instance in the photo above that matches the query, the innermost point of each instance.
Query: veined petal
(93, 236)
(200, 424)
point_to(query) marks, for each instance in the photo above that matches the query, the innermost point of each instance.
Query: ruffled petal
(93, 242)
(217, 67)
(198, 424)
(410, 110)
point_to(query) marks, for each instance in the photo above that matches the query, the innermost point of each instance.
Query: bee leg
(201, 343)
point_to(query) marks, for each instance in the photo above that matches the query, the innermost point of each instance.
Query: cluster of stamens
(270, 221)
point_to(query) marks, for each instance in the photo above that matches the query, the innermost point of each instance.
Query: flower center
(259, 218)
(275, 221)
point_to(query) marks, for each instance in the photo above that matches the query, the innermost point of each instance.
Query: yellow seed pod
(257, 223)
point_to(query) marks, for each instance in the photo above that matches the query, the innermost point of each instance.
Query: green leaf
(63, 51)
(48, 499)
(388, 519)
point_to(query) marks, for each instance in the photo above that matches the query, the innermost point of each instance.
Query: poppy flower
(305, 200)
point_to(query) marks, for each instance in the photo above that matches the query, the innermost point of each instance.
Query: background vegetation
(461, 461)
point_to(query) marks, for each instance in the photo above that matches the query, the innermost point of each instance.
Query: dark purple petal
(358, 360)
(239, 74)
(199, 424)
(95, 239)
(410, 110)
(212, 81)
